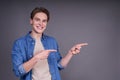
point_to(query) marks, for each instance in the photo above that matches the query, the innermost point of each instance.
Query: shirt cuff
(21, 70)
(60, 66)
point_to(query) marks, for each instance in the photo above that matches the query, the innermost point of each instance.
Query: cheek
(45, 24)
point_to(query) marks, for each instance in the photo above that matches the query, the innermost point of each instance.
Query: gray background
(95, 22)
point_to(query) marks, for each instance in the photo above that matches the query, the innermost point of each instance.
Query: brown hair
(40, 9)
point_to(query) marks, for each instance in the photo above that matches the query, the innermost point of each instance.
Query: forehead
(40, 15)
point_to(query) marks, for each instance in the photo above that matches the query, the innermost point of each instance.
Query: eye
(44, 20)
(37, 19)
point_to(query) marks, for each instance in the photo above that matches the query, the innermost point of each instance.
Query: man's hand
(76, 48)
(44, 54)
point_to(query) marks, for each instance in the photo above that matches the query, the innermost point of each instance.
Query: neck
(36, 35)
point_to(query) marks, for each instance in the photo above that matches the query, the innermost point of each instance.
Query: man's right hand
(44, 54)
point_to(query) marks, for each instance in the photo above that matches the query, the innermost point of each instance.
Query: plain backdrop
(96, 22)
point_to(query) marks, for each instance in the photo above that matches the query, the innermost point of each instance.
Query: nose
(40, 23)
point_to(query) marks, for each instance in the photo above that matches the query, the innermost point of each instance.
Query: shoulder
(20, 40)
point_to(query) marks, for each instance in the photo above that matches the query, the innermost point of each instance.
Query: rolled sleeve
(21, 70)
(60, 66)
(17, 60)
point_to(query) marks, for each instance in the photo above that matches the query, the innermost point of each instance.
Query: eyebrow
(36, 18)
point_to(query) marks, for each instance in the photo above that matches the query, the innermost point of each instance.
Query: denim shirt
(22, 52)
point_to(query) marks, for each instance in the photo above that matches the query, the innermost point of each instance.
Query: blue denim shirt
(22, 51)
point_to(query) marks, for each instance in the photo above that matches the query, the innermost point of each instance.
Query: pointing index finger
(52, 50)
(83, 44)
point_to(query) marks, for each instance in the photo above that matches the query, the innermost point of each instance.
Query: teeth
(39, 27)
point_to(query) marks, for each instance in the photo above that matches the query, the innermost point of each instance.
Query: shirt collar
(30, 37)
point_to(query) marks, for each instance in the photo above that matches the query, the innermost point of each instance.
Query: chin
(39, 32)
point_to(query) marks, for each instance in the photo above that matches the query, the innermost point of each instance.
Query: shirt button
(32, 42)
(21, 72)
(30, 56)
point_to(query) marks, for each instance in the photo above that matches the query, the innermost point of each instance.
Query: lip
(39, 27)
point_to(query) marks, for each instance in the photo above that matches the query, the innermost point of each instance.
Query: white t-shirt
(41, 69)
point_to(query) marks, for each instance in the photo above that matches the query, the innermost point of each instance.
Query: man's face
(39, 22)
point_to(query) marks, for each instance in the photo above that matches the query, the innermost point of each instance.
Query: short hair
(40, 9)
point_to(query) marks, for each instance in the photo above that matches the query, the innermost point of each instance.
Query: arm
(19, 66)
(41, 55)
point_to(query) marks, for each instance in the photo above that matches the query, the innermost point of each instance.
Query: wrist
(70, 52)
(36, 58)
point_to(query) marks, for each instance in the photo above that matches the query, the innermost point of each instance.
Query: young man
(36, 56)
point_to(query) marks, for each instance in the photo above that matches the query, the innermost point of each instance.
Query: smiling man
(36, 56)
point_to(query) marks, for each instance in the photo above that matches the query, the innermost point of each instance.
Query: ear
(31, 21)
